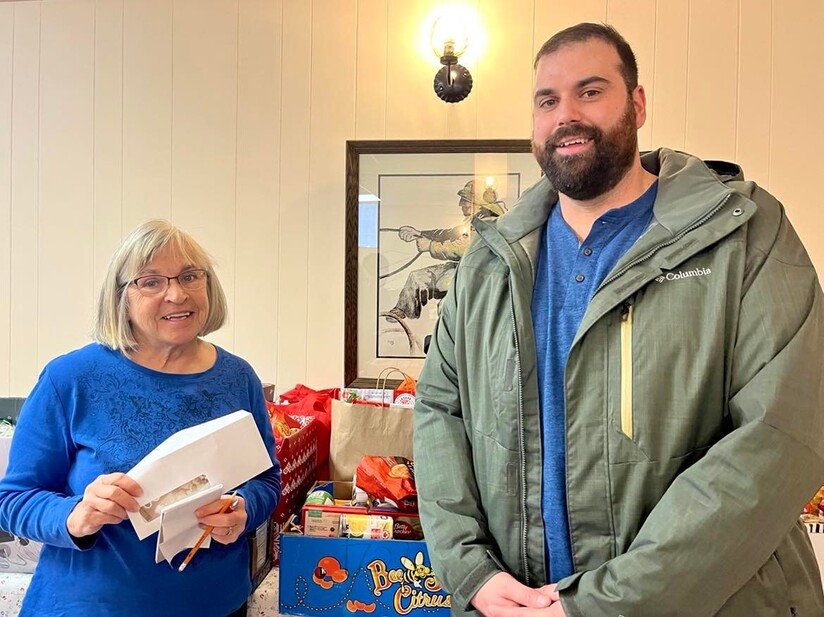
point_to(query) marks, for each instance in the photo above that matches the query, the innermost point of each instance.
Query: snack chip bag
(389, 478)
(815, 502)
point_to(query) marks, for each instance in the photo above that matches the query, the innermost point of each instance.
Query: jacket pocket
(626, 370)
(766, 593)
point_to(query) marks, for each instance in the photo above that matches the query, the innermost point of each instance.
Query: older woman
(95, 412)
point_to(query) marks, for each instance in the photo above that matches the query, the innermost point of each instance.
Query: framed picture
(409, 205)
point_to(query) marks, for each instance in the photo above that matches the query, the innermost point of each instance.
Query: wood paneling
(108, 136)
(230, 117)
(66, 179)
(370, 69)
(255, 314)
(413, 110)
(754, 84)
(204, 134)
(551, 17)
(504, 73)
(712, 79)
(6, 80)
(669, 94)
(797, 124)
(332, 119)
(293, 253)
(25, 256)
(147, 111)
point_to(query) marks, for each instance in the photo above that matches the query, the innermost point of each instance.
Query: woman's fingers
(228, 525)
(106, 501)
(117, 488)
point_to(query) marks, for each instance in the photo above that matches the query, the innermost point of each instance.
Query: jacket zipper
(521, 437)
(626, 369)
(673, 240)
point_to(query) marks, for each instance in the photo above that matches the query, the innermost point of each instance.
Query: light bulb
(449, 34)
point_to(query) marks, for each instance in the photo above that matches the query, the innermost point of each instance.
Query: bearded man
(621, 408)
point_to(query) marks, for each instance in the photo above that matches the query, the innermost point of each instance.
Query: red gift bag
(297, 455)
(303, 401)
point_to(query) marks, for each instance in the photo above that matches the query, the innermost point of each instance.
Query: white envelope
(179, 528)
(228, 451)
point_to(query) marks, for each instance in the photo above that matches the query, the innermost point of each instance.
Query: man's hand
(556, 609)
(503, 595)
(423, 244)
(407, 233)
(106, 501)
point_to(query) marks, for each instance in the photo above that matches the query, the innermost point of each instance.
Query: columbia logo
(683, 274)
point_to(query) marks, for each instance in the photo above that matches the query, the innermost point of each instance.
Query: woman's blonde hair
(112, 327)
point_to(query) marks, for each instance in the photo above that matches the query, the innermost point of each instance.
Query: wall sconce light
(449, 40)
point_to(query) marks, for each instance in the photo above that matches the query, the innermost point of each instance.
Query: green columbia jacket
(694, 424)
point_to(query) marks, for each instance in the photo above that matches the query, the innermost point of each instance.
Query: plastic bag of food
(389, 478)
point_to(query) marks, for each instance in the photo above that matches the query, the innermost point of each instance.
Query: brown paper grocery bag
(359, 429)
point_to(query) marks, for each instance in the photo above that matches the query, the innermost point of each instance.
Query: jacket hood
(705, 183)
(700, 185)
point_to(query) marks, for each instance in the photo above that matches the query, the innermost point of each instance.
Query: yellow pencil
(227, 504)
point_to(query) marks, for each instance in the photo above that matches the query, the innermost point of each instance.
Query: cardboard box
(260, 555)
(405, 525)
(324, 520)
(336, 577)
(388, 396)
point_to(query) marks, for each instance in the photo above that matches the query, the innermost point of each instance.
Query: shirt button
(579, 277)
(587, 251)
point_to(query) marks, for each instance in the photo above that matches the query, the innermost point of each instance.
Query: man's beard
(591, 173)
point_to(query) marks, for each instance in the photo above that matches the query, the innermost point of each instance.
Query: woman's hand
(106, 501)
(229, 526)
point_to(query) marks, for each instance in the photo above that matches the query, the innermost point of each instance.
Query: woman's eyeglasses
(154, 284)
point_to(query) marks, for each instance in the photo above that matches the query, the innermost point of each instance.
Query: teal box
(342, 577)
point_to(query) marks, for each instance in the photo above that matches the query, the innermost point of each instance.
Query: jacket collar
(688, 188)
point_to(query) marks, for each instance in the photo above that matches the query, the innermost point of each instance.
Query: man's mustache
(572, 130)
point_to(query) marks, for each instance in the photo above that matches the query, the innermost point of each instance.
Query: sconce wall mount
(453, 82)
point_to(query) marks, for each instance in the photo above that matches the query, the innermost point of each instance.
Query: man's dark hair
(586, 31)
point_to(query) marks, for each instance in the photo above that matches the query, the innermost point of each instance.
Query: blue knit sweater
(93, 412)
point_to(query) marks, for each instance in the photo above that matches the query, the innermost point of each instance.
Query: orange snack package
(389, 477)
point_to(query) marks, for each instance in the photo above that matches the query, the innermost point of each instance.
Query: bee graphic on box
(417, 571)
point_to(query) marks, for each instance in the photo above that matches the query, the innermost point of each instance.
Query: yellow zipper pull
(626, 369)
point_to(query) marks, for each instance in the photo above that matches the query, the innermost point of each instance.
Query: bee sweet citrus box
(345, 577)
(339, 577)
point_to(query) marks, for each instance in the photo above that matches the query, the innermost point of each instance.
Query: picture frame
(408, 208)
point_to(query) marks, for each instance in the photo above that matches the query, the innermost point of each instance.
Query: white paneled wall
(24, 218)
(229, 117)
(6, 77)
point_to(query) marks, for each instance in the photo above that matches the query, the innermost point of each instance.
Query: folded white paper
(228, 451)
(179, 528)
